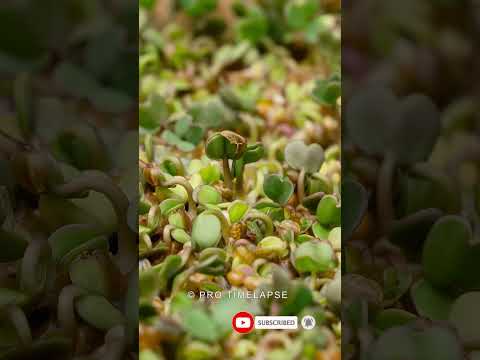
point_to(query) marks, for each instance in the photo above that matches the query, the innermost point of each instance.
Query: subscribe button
(244, 322)
(276, 322)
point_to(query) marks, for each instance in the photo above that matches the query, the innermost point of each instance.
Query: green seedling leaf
(207, 194)
(206, 231)
(411, 231)
(272, 247)
(299, 297)
(57, 212)
(303, 238)
(172, 139)
(329, 211)
(181, 236)
(168, 269)
(198, 8)
(419, 116)
(253, 153)
(426, 188)
(335, 238)
(100, 209)
(369, 115)
(301, 156)
(93, 274)
(147, 4)
(237, 210)
(393, 121)
(315, 257)
(210, 174)
(278, 189)
(153, 114)
(430, 302)
(148, 283)
(328, 91)
(300, 13)
(396, 282)
(72, 239)
(321, 232)
(253, 28)
(213, 114)
(212, 261)
(446, 250)
(98, 312)
(168, 206)
(200, 325)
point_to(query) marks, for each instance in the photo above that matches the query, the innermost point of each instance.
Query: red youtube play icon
(243, 322)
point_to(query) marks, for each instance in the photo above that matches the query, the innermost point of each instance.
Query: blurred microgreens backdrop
(411, 144)
(240, 176)
(68, 179)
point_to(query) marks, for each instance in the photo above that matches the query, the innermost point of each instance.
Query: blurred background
(411, 176)
(68, 179)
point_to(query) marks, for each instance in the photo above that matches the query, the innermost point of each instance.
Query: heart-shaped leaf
(301, 156)
(329, 211)
(378, 122)
(278, 189)
(369, 116)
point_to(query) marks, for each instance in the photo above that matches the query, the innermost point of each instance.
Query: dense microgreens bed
(239, 177)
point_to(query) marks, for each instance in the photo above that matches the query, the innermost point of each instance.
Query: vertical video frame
(239, 179)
